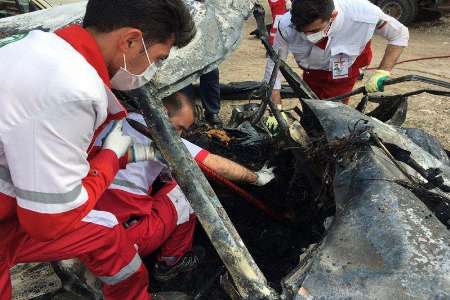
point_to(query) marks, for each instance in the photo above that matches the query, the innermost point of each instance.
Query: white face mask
(123, 80)
(315, 37)
(318, 36)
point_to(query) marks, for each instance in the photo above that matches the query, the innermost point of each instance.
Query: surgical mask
(315, 37)
(318, 36)
(123, 80)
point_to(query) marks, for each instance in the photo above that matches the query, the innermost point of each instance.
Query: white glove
(264, 176)
(142, 152)
(116, 141)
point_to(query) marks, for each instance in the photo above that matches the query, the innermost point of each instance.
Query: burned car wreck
(360, 207)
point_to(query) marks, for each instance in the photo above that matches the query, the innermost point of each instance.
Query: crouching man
(147, 200)
(331, 42)
(56, 96)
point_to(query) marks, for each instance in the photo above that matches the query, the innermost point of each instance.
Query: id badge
(340, 65)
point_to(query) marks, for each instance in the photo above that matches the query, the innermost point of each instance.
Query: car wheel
(403, 10)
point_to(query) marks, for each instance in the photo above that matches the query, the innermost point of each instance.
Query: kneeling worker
(147, 200)
(56, 96)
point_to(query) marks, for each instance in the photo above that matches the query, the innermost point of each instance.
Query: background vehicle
(406, 10)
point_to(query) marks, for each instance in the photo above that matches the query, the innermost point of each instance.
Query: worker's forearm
(391, 56)
(229, 169)
(276, 97)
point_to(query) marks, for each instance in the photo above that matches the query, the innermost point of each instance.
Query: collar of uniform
(338, 21)
(85, 44)
(115, 109)
(82, 41)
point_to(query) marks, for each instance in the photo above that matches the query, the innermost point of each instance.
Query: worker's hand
(142, 152)
(116, 141)
(272, 123)
(264, 176)
(376, 81)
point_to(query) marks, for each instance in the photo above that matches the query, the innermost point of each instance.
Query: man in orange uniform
(56, 95)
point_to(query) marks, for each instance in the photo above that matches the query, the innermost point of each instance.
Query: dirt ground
(427, 38)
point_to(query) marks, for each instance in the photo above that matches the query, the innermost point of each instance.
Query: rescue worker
(55, 95)
(147, 200)
(277, 8)
(331, 42)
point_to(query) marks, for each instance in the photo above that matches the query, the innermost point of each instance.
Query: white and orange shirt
(55, 95)
(354, 26)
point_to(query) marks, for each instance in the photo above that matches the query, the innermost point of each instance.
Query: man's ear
(130, 39)
(167, 111)
(334, 14)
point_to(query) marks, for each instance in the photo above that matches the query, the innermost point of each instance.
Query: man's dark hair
(305, 12)
(174, 103)
(158, 20)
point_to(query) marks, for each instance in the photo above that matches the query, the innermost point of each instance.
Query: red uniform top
(278, 8)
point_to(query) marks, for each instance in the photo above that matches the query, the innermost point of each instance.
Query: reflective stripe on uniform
(100, 217)
(128, 186)
(5, 175)
(51, 207)
(40, 201)
(49, 198)
(123, 274)
(6, 186)
(182, 206)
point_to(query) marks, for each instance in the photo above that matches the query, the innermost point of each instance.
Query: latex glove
(116, 141)
(272, 123)
(264, 176)
(376, 81)
(142, 152)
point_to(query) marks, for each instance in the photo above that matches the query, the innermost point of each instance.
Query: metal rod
(267, 92)
(281, 121)
(380, 144)
(406, 78)
(247, 277)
